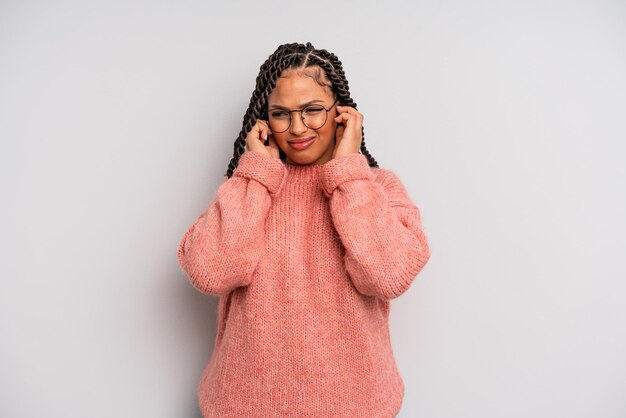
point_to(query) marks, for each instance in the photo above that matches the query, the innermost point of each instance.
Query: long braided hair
(296, 56)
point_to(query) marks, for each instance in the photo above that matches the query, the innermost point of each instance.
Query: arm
(378, 224)
(223, 247)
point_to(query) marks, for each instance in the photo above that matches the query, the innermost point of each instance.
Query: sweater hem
(391, 411)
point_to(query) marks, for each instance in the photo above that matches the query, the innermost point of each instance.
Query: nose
(297, 125)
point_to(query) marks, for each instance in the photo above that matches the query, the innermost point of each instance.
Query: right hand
(255, 141)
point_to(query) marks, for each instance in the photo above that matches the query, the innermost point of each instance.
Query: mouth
(301, 144)
(301, 140)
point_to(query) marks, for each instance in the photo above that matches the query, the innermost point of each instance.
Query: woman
(305, 242)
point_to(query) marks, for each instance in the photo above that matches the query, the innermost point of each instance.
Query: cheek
(330, 131)
(281, 139)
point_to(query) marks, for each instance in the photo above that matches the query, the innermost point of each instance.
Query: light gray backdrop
(505, 120)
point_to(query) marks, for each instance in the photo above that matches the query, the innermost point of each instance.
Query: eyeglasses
(313, 116)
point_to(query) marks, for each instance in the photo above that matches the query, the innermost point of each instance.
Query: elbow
(395, 285)
(417, 258)
(212, 286)
(215, 276)
(383, 286)
(211, 279)
(397, 275)
(408, 265)
(420, 255)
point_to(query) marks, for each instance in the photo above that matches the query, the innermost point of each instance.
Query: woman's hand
(348, 135)
(255, 141)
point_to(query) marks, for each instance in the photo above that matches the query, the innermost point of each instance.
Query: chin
(300, 159)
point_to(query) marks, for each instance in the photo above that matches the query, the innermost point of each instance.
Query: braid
(334, 71)
(293, 55)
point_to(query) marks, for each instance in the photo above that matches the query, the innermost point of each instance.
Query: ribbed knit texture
(305, 261)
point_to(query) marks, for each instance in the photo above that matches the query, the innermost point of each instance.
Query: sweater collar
(306, 168)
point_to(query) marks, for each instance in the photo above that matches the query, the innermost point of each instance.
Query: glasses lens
(279, 120)
(314, 116)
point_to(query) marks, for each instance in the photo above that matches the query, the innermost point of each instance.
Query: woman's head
(292, 76)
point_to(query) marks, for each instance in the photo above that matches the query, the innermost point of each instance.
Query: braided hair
(296, 56)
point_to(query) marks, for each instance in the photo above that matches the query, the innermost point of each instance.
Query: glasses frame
(302, 117)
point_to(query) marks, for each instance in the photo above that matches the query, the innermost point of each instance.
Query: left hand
(348, 136)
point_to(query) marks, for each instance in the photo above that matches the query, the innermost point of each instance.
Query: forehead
(294, 88)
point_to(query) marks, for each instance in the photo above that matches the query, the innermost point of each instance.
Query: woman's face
(293, 91)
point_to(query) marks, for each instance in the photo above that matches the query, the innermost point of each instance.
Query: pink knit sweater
(305, 261)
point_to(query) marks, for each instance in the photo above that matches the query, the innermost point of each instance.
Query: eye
(279, 114)
(313, 110)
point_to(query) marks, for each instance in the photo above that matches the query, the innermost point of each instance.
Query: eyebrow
(301, 106)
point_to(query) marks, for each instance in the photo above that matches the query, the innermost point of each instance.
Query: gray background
(505, 120)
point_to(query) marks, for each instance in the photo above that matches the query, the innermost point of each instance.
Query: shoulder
(384, 176)
(392, 185)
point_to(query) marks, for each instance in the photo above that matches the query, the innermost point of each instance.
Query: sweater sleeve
(378, 225)
(223, 247)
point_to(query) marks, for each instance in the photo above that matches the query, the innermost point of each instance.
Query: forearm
(223, 247)
(379, 226)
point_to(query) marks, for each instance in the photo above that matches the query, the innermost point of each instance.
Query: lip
(301, 144)
(299, 140)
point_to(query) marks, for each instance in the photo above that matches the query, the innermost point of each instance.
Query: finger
(266, 128)
(341, 117)
(346, 109)
(264, 134)
(261, 130)
(349, 110)
(347, 116)
(257, 130)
